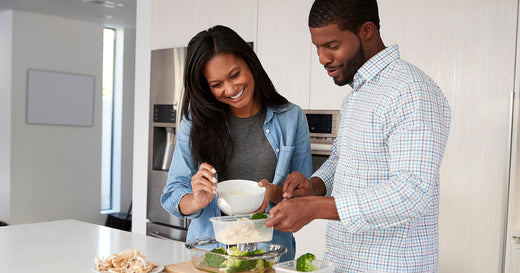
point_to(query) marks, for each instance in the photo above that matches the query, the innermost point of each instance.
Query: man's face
(339, 51)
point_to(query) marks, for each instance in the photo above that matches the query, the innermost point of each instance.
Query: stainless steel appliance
(166, 81)
(323, 127)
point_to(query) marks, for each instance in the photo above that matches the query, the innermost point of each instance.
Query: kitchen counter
(71, 246)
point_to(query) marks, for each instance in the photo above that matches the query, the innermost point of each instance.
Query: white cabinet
(514, 264)
(512, 255)
(284, 45)
(175, 22)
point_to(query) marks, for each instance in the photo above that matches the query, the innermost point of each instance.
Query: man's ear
(367, 31)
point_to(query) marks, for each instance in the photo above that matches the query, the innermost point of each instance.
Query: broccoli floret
(234, 251)
(304, 263)
(239, 265)
(259, 215)
(263, 263)
(220, 250)
(256, 252)
(215, 260)
(232, 265)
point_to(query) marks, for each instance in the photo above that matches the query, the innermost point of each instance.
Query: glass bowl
(241, 229)
(290, 267)
(203, 259)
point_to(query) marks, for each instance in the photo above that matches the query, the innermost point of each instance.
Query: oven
(323, 128)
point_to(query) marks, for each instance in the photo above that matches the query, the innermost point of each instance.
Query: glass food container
(241, 229)
(203, 258)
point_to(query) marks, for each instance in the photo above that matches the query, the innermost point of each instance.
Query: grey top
(249, 154)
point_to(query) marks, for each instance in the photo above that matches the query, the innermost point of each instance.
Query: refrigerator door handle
(159, 235)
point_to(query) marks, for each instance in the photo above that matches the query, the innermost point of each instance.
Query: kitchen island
(71, 246)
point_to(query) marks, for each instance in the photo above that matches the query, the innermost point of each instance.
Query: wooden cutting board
(184, 267)
(187, 267)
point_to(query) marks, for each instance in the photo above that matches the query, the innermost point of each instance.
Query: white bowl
(243, 196)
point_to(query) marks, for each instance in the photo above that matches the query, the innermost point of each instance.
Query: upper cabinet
(284, 46)
(174, 23)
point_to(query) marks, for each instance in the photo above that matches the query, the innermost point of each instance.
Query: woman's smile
(238, 95)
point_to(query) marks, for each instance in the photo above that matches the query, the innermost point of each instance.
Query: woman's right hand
(202, 184)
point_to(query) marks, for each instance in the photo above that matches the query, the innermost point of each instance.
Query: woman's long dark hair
(208, 129)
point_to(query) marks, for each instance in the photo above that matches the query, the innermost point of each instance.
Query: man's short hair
(347, 14)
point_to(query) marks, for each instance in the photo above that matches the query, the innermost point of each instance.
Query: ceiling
(113, 13)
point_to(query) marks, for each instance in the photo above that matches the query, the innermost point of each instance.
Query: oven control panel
(320, 123)
(323, 127)
(323, 123)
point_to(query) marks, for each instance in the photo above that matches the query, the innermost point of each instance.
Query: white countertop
(71, 246)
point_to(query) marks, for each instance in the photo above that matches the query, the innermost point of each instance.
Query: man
(381, 181)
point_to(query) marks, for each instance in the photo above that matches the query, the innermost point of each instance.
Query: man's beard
(350, 68)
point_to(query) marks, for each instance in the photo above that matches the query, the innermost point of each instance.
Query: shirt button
(277, 150)
(267, 131)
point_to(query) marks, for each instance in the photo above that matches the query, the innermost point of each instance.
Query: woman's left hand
(273, 193)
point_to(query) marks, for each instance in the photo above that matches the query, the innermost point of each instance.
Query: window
(112, 120)
(109, 41)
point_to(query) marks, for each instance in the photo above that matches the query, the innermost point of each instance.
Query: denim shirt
(286, 130)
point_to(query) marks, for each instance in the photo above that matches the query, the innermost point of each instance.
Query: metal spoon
(222, 203)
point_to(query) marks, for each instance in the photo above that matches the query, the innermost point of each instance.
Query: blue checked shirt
(383, 171)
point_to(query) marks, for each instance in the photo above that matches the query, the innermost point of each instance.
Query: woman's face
(232, 83)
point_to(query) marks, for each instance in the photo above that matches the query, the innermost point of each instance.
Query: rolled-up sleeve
(182, 168)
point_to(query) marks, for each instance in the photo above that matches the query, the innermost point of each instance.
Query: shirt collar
(270, 111)
(374, 65)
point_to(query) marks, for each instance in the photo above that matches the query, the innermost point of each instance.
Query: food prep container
(200, 248)
(241, 229)
(290, 267)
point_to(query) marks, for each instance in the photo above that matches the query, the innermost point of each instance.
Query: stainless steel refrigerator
(166, 86)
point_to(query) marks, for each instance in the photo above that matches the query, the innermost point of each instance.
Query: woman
(235, 126)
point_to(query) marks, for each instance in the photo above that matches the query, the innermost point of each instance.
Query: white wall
(141, 112)
(6, 25)
(127, 140)
(55, 170)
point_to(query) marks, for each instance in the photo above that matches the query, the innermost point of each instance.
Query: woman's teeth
(238, 95)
